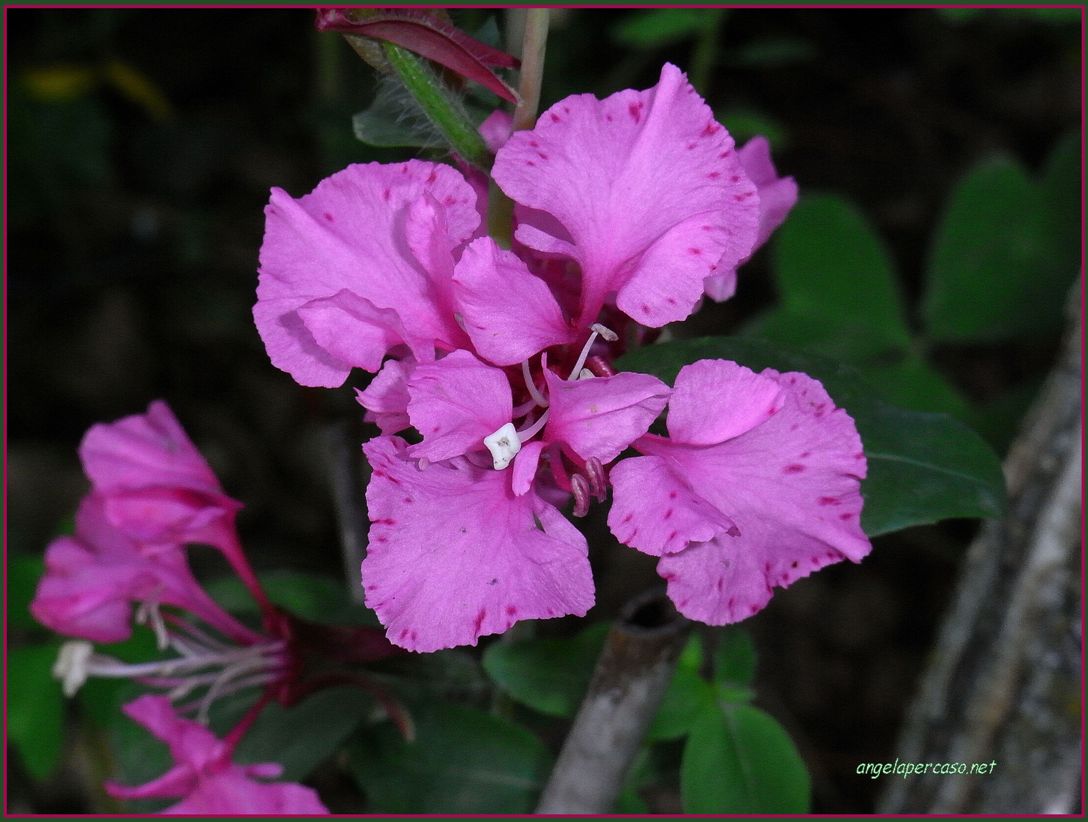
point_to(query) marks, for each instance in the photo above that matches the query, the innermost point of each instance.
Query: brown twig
(630, 679)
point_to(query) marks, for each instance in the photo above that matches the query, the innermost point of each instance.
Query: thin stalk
(437, 104)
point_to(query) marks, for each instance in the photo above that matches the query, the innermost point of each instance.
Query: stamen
(534, 392)
(596, 476)
(597, 330)
(148, 614)
(504, 445)
(579, 486)
(531, 431)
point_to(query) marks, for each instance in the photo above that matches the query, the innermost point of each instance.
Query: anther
(597, 330)
(596, 476)
(71, 665)
(579, 486)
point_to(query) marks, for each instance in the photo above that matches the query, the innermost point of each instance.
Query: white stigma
(71, 665)
(504, 445)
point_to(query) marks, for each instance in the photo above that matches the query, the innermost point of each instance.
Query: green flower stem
(439, 107)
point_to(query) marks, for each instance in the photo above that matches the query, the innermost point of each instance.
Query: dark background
(135, 201)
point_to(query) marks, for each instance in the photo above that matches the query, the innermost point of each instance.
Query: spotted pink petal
(777, 196)
(352, 329)
(386, 398)
(509, 313)
(456, 402)
(656, 511)
(455, 555)
(648, 192)
(600, 417)
(790, 484)
(363, 231)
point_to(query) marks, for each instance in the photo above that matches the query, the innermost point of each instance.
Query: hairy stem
(438, 105)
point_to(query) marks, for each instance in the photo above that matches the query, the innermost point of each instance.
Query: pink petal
(739, 400)
(349, 234)
(145, 450)
(455, 555)
(496, 129)
(509, 314)
(777, 196)
(729, 578)
(656, 511)
(525, 465)
(231, 792)
(791, 485)
(178, 781)
(189, 742)
(600, 417)
(76, 598)
(386, 398)
(456, 402)
(648, 189)
(352, 329)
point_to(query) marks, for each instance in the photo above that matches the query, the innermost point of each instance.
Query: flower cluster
(152, 495)
(495, 389)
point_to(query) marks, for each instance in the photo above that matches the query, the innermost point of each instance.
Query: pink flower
(643, 189)
(447, 516)
(360, 267)
(203, 775)
(756, 485)
(777, 196)
(93, 579)
(155, 485)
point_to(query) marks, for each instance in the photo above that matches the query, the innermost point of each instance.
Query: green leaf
(548, 675)
(1004, 256)
(35, 708)
(303, 736)
(316, 597)
(922, 467)
(841, 337)
(462, 761)
(831, 265)
(687, 693)
(735, 658)
(24, 574)
(658, 28)
(913, 384)
(738, 759)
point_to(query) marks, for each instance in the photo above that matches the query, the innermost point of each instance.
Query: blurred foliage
(141, 151)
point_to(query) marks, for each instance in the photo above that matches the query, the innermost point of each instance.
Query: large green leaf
(316, 597)
(831, 265)
(1004, 255)
(735, 658)
(922, 467)
(36, 707)
(461, 761)
(548, 675)
(738, 759)
(303, 736)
